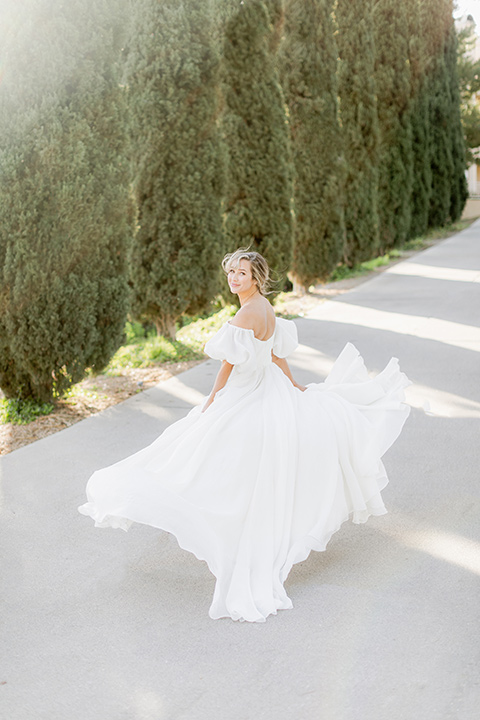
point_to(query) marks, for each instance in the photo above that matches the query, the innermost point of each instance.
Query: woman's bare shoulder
(258, 316)
(246, 317)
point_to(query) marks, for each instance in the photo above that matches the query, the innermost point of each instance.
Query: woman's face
(240, 278)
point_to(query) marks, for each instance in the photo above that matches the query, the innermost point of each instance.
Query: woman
(265, 470)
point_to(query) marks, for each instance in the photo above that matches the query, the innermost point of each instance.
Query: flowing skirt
(267, 474)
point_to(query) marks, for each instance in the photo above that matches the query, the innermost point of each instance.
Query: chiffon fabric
(266, 474)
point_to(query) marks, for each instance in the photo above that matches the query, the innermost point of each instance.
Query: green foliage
(422, 169)
(441, 151)
(152, 350)
(447, 147)
(359, 117)
(344, 271)
(64, 225)
(419, 54)
(199, 331)
(134, 331)
(459, 191)
(144, 349)
(178, 160)
(22, 412)
(258, 211)
(309, 65)
(393, 85)
(201, 78)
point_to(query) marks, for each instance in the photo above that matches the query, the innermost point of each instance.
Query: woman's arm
(220, 382)
(283, 365)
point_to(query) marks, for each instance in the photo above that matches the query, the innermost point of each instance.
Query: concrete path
(103, 625)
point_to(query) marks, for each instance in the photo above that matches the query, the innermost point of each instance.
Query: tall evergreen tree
(309, 66)
(258, 211)
(422, 170)
(436, 21)
(420, 120)
(359, 117)
(178, 166)
(459, 191)
(392, 77)
(441, 151)
(64, 224)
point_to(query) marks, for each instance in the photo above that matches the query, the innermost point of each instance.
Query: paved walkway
(103, 625)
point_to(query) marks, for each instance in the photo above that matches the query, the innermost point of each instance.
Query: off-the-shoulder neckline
(250, 330)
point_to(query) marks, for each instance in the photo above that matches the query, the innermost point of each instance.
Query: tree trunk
(166, 326)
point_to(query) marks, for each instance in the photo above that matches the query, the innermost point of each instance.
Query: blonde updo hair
(258, 266)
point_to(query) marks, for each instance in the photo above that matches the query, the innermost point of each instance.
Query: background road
(102, 625)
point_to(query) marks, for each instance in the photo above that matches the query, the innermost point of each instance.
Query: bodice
(248, 354)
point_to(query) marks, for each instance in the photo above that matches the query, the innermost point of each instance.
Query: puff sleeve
(233, 344)
(286, 338)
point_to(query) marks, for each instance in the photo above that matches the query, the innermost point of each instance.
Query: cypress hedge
(178, 160)
(64, 220)
(309, 66)
(359, 115)
(422, 170)
(392, 78)
(459, 190)
(441, 158)
(447, 149)
(419, 59)
(258, 205)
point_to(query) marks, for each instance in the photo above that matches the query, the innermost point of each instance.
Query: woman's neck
(245, 298)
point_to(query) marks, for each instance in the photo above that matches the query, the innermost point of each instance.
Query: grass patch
(342, 271)
(144, 348)
(443, 232)
(22, 412)
(196, 333)
(80, 391)
(149, 351)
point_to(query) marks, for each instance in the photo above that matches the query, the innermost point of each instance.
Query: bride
(264, 470)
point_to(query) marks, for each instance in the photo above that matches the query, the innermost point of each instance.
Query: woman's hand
(283, 365)
(208, 403)
(220, 382)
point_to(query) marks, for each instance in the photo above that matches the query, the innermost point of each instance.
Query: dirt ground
(97, 393)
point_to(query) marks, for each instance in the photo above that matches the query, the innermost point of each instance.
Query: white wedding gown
(266, 474)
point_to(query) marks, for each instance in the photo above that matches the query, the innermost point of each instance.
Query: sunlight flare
(435, 273)
(446, 332)
(440, 403)
(454, 549)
